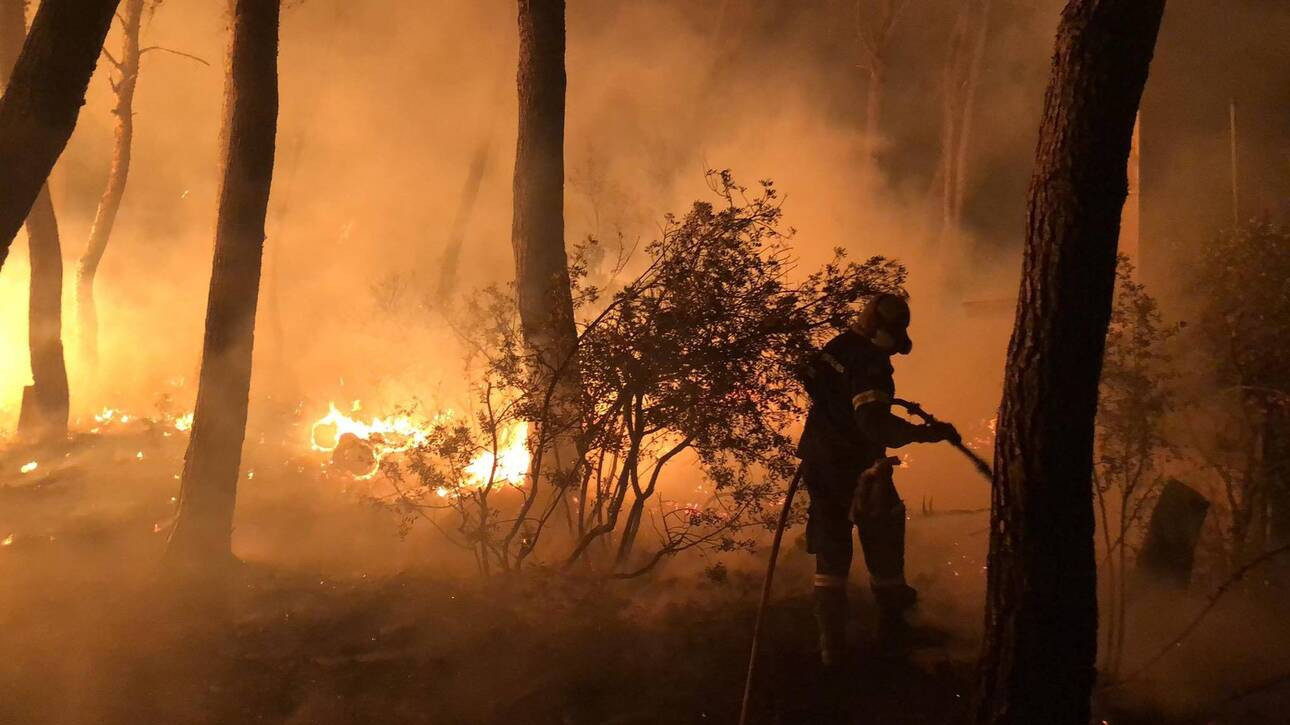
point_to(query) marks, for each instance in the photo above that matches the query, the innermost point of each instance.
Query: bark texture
(1041, 610)
(537, 231)
(45, 402)
(203, 529)
(127, 69)
(43, 99)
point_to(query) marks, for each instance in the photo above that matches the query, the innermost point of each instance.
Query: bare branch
(180, 53)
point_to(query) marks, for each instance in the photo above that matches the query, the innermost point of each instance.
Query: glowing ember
(8, 541)
(28, 467)
(111, 415)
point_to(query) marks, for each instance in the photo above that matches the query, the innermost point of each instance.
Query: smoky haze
(385, 105)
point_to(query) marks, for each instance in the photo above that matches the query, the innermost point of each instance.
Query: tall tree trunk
(1276, 468)
(969, 107)
(451, 260)
(127, 68)
(1041, 609)
(874, 89)
(203, 529)
(42, 100)
(537, 232)
(44, 403)
(950, 120)
(961, 75)
(874, 26)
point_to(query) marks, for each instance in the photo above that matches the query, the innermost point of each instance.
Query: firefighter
(845, 468)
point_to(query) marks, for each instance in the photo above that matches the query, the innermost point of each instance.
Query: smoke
(384, 106)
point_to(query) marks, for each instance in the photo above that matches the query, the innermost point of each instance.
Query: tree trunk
(537, 232)
(961, 75)
(969, 108)
(1041, 609)
(873, 111)
(127, 67)
(203, 529)
(44, 403)
(950, 121)
(42, 100)
(451, 260)
(1276, 469)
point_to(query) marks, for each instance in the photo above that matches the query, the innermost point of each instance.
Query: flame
(400, 433)
(28, 467)
(184, 422)
(392, 434)
(509, 466)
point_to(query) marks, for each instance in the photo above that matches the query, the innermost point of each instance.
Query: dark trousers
(846, 495)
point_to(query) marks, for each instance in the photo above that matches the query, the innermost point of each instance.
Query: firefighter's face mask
(891, 344)
(885, 321)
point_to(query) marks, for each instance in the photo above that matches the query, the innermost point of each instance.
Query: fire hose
(917, 411)
(914, 409)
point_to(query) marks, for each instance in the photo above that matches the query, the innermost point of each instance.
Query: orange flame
(399, 433)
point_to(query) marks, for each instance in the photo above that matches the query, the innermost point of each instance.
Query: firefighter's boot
(831, 618)
(894, 598)
(882, 535)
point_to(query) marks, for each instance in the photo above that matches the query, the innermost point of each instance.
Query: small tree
(1243, 327)
(694, 359)
(1130, 445)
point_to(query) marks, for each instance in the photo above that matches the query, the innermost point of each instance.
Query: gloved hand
(941, 431)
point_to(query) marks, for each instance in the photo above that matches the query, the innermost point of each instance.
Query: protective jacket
(850, 422)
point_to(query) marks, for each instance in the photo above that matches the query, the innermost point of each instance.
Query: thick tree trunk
(127, 67)
(203, 530)
(537, 232)
(1041, 609)
(44, 403)
(42, 100)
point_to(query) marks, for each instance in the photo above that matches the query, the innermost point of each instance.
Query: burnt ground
(317, 626)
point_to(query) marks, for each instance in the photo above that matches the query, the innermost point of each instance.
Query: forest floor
(334, 619)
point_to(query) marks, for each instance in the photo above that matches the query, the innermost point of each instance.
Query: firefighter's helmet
(885, 321)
